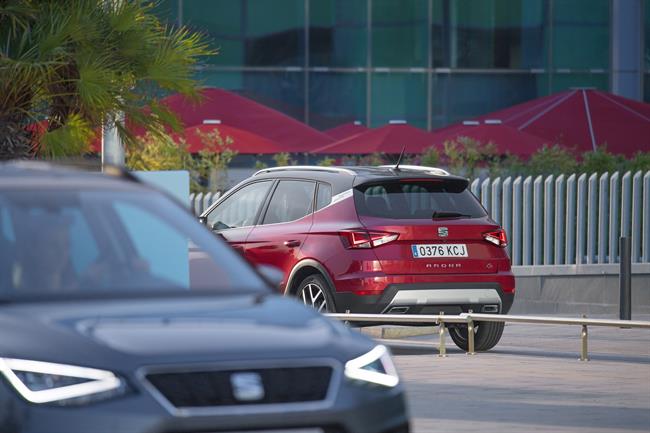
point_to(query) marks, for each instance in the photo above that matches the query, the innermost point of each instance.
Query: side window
(291, 200)
(240, 209)
(324, 195)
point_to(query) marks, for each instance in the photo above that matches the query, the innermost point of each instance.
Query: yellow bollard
(442, 350)
(470, 336)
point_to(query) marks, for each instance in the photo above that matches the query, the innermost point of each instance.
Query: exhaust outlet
(398, 310)
(492, 308)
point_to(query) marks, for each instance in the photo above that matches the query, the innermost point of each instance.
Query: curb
(392, 332)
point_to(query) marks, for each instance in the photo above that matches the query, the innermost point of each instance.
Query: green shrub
(430, 157)
(282, 159)
(640, 161)
(466, 155)
(552, 160)
(601, 161)
(326, 162)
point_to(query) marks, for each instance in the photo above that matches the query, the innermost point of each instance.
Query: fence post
(506, 212)
(495, 206)
(645, 239)
(198, 203)
(485, 195)
(636, 215)
(560, 228)
(625, 279)
(626, 204)
(614, 212)
(474, 188)
(603, 217)
(581, 220)
(527, 224)
(549, 227)
(570, 239)
(517, 207)
(538, 217)
(592, 216)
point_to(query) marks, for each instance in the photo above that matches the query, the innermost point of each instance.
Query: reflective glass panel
(338, 33)
(562, 82)
(489, 34)
(581, 34)
(399, 33)
(280, 90)
(336, 98)
(458, 97)
(251, 32)
(399, 96)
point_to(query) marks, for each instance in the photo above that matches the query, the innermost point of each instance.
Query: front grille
(214, 388)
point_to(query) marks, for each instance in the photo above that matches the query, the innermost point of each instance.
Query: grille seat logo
(443, 232)
(247, 386)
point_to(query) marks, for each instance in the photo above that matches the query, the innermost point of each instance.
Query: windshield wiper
(447, 214)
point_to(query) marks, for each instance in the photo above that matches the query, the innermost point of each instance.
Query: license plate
(427, 251)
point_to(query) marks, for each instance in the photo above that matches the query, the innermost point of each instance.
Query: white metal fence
(558, 220)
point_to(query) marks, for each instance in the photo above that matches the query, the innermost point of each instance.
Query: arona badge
(443, 232)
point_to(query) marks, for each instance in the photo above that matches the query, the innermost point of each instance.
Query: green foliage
(552, 160)
(601, 161)
(466, 155)
(77, 62)
(154, 152)
(260, 165)
(373, 159)
(326, 162)
(640, 161)
(282, 159)
(430, 157)
(507, 165)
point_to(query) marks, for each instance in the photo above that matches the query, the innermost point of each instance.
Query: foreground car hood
(164, 330)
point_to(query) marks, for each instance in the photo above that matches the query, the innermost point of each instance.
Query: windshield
(65, 242)
(415, 199)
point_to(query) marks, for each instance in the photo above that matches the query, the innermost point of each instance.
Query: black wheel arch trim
(311, 263)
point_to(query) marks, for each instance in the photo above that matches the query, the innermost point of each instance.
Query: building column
(627, 48)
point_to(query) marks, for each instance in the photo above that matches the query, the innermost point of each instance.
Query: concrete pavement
(532, 381)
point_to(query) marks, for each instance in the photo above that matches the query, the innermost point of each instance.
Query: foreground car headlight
(375, 367)
(60, 384)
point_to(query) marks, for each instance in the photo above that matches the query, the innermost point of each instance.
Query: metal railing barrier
(469, 319)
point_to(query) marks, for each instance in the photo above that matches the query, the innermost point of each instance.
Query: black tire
(313, 290)
(486, 335)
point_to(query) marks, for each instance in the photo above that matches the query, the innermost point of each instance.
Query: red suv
(407, 240)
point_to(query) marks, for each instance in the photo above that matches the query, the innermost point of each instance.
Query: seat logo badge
(443, 232)
(247, 386)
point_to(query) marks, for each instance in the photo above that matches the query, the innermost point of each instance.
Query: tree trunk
(15, 141)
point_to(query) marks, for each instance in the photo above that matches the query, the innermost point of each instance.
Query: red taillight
(366, 239)
(497, 237)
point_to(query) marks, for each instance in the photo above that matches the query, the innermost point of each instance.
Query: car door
(234, 217)
(284, 226)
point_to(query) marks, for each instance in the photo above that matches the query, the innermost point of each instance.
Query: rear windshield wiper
(446, 214)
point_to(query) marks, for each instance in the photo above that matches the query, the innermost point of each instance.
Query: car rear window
(417, 199)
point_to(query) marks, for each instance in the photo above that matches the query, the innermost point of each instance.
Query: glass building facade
(429, 62)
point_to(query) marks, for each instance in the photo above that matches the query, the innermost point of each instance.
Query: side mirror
(271, 275)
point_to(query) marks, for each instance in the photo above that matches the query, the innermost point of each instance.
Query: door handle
(292, 243)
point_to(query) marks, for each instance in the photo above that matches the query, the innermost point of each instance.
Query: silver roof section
(430, 170)
(306, 168)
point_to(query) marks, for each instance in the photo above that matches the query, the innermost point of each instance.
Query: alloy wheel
(313, 295)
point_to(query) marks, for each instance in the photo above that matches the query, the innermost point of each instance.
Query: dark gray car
(120, 313)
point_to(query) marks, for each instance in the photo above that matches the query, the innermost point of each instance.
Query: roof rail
(306, 168)
(431, 170)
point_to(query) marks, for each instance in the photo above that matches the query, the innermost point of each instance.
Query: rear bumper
(426, 294)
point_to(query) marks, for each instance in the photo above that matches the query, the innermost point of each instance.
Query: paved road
(532, 381)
